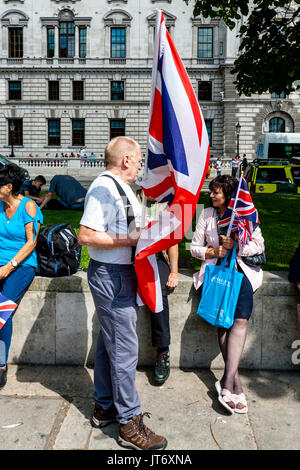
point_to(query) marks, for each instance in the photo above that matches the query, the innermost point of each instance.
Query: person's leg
(236, 338)
(103, 388)
(160, 322)
(77, 206)
(232, 341)
(222, 339)
(298, 306)
(5, 341)
(13, 287)
(56, 204)
(160, 328)
(114, 294)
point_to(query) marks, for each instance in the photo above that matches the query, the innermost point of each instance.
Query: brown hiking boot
(136, 435)
(103, 417)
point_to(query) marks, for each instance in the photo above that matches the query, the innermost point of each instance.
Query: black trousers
(160, 324)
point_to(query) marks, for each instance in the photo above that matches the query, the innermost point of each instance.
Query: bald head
(118, 148)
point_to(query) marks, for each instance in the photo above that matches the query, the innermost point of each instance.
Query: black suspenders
(128, 210)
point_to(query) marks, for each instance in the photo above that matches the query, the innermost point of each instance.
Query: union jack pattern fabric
(245, 213)
(7, 307)
(176, 164)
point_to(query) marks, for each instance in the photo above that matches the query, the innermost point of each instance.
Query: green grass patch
(280, 225)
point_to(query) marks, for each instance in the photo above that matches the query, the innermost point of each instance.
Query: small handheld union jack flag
(240, 212)
(7, 308)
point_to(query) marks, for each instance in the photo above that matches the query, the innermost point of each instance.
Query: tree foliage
(269, 31)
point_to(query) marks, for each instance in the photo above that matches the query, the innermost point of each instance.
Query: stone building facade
(74, 73)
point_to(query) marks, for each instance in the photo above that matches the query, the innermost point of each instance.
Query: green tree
(269, 50)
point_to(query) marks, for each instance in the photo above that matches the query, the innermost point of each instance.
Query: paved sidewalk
(52, 405)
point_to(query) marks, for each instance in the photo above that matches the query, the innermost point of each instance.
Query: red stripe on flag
(156, 127)
(145, 271)
(245, 196)
(7, 307)
(156, 191)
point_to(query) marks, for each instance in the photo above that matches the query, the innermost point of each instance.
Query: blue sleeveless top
(13, 235)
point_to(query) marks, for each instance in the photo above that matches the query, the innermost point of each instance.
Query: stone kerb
(56, 324)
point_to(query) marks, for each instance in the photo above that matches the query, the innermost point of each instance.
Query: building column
(44, 40)
(76, 41)
(4, 48)
(56, 41)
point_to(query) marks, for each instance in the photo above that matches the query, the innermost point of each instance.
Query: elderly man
(111, 235)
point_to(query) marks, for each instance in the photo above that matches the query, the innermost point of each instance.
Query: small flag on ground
(7, 307)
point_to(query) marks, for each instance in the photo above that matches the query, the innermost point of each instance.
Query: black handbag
(255, 260)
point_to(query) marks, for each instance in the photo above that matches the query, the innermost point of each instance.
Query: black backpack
(58, 251)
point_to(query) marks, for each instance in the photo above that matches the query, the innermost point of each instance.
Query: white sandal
(240, 399)
(218, 387)
(225, 397)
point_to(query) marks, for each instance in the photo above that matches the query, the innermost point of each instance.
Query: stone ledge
(56, 323)
(274, 283)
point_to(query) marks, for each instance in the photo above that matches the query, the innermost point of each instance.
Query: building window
(117, 91)
(15, 42)
(204, 91)
(53, 90)
(278, 95)
(205, 43)
(82, 43)
(78, 132)
(18, 132)
(117, 127)
(209, 131)
(118, 43)
(277, 125)
(14, 91)
(77, 90)
(50, 42)
(66, 39)
(54, 132)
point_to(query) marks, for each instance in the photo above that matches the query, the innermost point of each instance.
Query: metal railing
(92, 163)
(43, 162)
(59, 162)
(101, 61)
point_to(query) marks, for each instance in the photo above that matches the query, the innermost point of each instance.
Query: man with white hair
(111, 233)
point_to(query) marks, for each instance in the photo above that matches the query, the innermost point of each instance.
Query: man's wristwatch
(14, 262)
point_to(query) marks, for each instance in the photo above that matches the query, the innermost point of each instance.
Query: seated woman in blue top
(20, 220)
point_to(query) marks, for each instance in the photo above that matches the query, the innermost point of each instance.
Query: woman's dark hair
(14, 175)
(227, 183)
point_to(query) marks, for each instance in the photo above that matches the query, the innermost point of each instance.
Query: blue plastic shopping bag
(221, 288)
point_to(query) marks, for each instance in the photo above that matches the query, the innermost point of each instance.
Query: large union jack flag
(244, 212)
(7, 307)
(176, 164)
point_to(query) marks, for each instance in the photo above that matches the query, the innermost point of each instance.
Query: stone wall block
(34, 329)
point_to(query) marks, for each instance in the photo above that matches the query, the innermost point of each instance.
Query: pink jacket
(206, 236)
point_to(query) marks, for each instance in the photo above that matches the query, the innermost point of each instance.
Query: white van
(278, 146)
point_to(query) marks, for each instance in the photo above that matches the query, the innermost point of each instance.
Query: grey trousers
(114, 292)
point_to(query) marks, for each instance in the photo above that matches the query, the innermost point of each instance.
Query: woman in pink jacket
(210, 244)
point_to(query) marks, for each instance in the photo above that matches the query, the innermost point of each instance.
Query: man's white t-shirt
(104, 211)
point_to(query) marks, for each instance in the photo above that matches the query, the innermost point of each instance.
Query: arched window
(276, 124)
